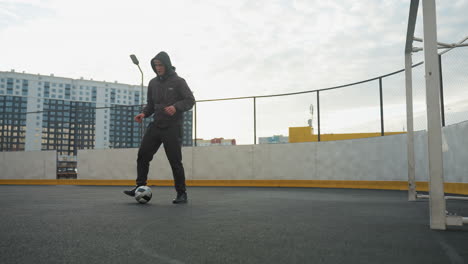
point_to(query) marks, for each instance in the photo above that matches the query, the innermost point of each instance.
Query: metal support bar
(442, 44)
(318, 115)
(255, 120)
(425, 196)
(381, 108)
(413, 12)
(410, 129)
(456, 198)
(436, 173)
(454, 220)
(417, 49)
(447, 47)
(442, 105)
(195, 123)
(458, 44)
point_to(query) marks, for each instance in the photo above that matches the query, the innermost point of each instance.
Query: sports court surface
(99, 224)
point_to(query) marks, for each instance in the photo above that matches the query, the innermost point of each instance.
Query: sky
(233, 49)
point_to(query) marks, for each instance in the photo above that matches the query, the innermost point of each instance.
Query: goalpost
(439, 218)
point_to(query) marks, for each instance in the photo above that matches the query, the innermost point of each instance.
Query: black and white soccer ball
(143, 194)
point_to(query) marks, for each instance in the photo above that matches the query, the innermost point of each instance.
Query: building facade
(276, 139)
(39, 112)
(215, 142)
(306, 134)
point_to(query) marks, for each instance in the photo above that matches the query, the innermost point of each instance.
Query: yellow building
(305, 134)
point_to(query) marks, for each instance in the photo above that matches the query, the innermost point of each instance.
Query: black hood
(163, 57)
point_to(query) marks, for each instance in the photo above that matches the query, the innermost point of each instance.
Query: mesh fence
(354, 109)
(227, 119)
(276, 114)
(455, 85)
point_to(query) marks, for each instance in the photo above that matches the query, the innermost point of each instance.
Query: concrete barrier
(368, 159)
(379, 162)
(37, 165)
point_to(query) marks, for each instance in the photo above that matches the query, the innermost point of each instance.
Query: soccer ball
(143, 194)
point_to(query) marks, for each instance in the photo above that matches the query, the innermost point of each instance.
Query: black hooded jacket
(166, 90)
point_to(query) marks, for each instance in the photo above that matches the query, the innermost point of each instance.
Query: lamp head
(134, 59)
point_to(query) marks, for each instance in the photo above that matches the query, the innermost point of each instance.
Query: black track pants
(171, 138)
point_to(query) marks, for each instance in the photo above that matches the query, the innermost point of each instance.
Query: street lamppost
(137, 63)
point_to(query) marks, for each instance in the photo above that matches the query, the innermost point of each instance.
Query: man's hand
(170, 110)
(139, 117)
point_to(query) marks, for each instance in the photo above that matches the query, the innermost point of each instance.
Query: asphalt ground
(99, 224)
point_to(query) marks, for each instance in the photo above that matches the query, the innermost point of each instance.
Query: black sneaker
(131, 192)
(181, 198)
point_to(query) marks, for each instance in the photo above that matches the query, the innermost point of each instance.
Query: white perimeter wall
(28, 165)
(370, 159)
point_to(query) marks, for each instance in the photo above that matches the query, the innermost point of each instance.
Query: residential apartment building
(39, 112)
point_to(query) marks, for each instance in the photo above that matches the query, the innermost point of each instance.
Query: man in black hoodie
(168, 97)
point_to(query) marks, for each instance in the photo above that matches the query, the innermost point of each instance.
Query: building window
(112, 97)
(46, 89)
(9, 86)
(25, 87)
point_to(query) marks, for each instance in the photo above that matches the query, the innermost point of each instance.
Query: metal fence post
(442, 107)
(255, 120)
(381, 108)
(195, 123)
(318, 115)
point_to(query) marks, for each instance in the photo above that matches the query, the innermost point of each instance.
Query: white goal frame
(439, 217)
